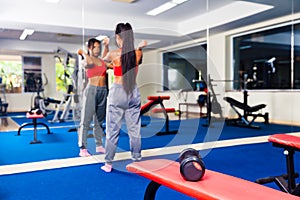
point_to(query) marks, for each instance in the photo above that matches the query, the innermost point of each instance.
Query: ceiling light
(126, 1)
(52, 1)
(25, 33)
(164, 7)
(179, 1)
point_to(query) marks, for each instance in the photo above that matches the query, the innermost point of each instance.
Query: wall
(282, 106)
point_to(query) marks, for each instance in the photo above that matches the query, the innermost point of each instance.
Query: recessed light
(25, 33)
(52, 1)
(164, 7)
(126, 1)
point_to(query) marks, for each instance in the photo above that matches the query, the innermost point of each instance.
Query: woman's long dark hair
(128, 57)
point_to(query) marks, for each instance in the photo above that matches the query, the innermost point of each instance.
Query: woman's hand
(105, 41)
(142, 44)
(80, 52)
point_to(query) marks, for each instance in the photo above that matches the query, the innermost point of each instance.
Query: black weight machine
(248, 111)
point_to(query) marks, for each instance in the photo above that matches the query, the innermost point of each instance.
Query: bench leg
(290, 169)
(35, 141)
(151, 190)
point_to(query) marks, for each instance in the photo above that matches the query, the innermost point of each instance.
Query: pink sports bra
(96, 70)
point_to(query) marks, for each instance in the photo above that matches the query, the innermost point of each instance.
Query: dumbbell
(192, 167)
(35, 111)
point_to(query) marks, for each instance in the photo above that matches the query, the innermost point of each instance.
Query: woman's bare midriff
(118, 79)
(97, 81)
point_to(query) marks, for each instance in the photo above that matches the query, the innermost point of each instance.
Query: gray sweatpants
(94, 108)
(119, 106)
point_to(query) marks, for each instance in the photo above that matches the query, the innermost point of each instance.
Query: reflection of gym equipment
(262, 74)
(214, 185)
(71, 102)
(212, 104)
(34, 114)
(42, 103)
(66, 105)
(3, 103)
(184, 106)
(286, 182)
(249, 111)
(192, 167)
(158, 100)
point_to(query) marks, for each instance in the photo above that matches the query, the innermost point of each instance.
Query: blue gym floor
(87, 181)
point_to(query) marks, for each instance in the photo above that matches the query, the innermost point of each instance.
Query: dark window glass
(264, 59)
(297, 57)
(182, 66)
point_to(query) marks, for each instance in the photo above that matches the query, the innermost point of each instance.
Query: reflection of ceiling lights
(25, 33)
(126, 1)
(164, 7)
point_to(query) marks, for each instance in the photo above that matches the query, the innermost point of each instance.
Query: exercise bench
(34, 116)
(249, 111)
(286, 182)
(213, 186)
(158, 100)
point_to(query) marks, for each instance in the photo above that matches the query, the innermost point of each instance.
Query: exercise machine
(72, 99)
(248, 111)
(64, 107)
(212, 104)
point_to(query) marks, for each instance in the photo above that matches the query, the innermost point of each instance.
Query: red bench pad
(286, 140)
(213, 185)
(160, 110)
(154, 98)
(146, 105)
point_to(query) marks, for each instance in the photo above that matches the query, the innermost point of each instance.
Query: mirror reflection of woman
(94, 96)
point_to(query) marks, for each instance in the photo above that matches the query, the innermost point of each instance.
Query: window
(263, 59)
(182, 66)
(297, 57)
(11, 73)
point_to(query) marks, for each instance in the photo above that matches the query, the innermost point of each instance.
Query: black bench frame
(286, 182)
(249, 111)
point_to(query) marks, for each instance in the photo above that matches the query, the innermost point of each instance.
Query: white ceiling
(73, 21)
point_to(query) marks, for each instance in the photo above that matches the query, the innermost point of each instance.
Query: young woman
(124, 97)
(94, 96)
